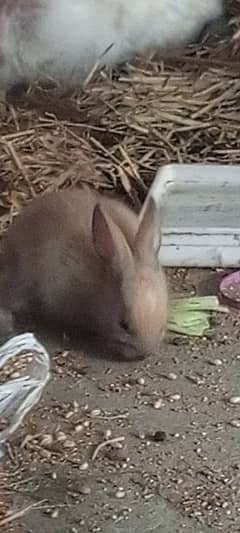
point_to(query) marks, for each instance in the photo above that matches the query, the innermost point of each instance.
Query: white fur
(63, 39)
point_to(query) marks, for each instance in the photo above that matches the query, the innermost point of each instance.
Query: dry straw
(117, 131)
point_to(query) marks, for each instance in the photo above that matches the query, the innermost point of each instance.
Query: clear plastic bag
(18, 396)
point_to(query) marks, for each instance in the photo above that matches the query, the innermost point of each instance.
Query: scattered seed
(84, 466)
(54, 475)
(175, 397)
(61, 436)
(85, 490)
(75, 406)
(141, 381)
(158, 404)
(172, 376)
(69, 443)
(216, 362)
(55, 513)
(120, 493)
(235, 423)
(95, 412)
(235, 400)
(79, 428)
(47, 441)
(69, 414)
(45, 454)
(107, 434)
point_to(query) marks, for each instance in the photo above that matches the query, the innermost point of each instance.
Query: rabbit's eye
(124, 325)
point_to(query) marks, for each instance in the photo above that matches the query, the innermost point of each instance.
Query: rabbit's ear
(109, 242)
(148, 237)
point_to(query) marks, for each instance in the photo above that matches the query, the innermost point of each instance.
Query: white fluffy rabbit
(63, 40)
(87, 263)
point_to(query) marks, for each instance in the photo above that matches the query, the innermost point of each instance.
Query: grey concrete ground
(174, 463)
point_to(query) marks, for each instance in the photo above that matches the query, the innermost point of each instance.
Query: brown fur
(82, 261)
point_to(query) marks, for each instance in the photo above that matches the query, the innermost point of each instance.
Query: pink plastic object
(230, 289)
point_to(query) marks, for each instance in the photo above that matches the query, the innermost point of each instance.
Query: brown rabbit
(86, 262)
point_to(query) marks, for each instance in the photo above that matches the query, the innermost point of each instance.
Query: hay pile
(119, 129)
